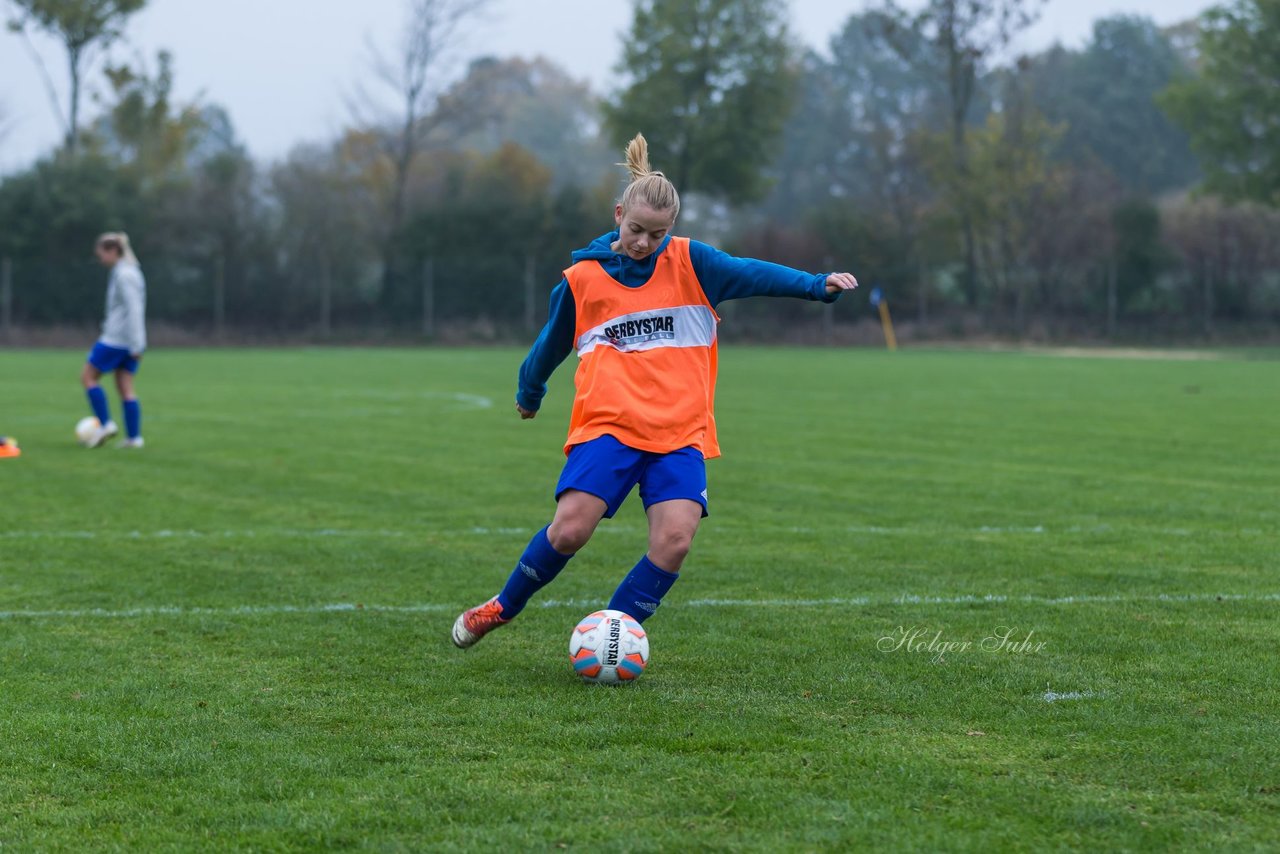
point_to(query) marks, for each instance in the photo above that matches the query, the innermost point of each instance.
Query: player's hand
(526, 414)
(838, 282)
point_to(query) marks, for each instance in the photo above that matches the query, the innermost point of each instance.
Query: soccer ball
(85, 428)
(608, 647)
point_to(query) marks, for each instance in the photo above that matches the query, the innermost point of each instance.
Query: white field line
(249, 534)
(1055, 697)
(483, 531)
(913, 531)
(234, 611)
(979, 599)
(440, 607)
(188, 534)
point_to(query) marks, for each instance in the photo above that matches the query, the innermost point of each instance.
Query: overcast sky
(282, 67)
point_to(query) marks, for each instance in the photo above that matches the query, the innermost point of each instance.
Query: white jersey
(125, 326)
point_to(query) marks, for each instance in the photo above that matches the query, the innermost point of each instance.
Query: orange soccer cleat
(477, 622)
(9, 447)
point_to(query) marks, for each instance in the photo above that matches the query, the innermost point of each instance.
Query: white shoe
(102, 434)
(124, 444)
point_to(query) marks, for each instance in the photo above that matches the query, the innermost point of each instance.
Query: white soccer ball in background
(85, 428)
(608, 647)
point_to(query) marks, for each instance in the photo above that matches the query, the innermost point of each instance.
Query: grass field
(238, 637)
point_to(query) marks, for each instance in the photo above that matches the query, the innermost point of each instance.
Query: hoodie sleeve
(725, 277)
(134, 295)
(125, 325)
(554, 343)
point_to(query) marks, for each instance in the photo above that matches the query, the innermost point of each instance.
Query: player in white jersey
(124, 339)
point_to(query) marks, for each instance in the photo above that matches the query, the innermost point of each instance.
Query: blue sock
(538, 566)
(641, 592)
(98, 400)
(132, 419)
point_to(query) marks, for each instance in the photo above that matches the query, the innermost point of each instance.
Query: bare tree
(84, 28)
(411, 79)
(965, 35)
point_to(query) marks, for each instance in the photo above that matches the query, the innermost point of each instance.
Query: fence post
(828, 310)
(922, 295)
(428, 298)
(529, 292)
(1208, 300)
(326, 297)
(6, 298)
(219, 297)
(1113, 303)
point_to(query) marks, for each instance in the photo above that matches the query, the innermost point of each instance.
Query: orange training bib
(646, 357)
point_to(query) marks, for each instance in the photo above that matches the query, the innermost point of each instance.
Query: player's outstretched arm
(725, 277)
(554, 343)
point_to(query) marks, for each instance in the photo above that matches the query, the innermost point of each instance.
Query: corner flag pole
(886, 322)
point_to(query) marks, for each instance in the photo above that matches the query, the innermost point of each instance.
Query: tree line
(1128, 187)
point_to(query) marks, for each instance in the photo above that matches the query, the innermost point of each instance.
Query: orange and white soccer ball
(86, 428)
(608, 648)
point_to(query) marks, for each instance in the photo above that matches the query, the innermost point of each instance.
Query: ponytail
(119, 241)
(647, 187)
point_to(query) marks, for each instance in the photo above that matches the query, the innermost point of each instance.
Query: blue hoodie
(723, 277)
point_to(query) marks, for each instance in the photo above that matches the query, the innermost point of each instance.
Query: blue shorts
(107, 359)
(608, 469)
